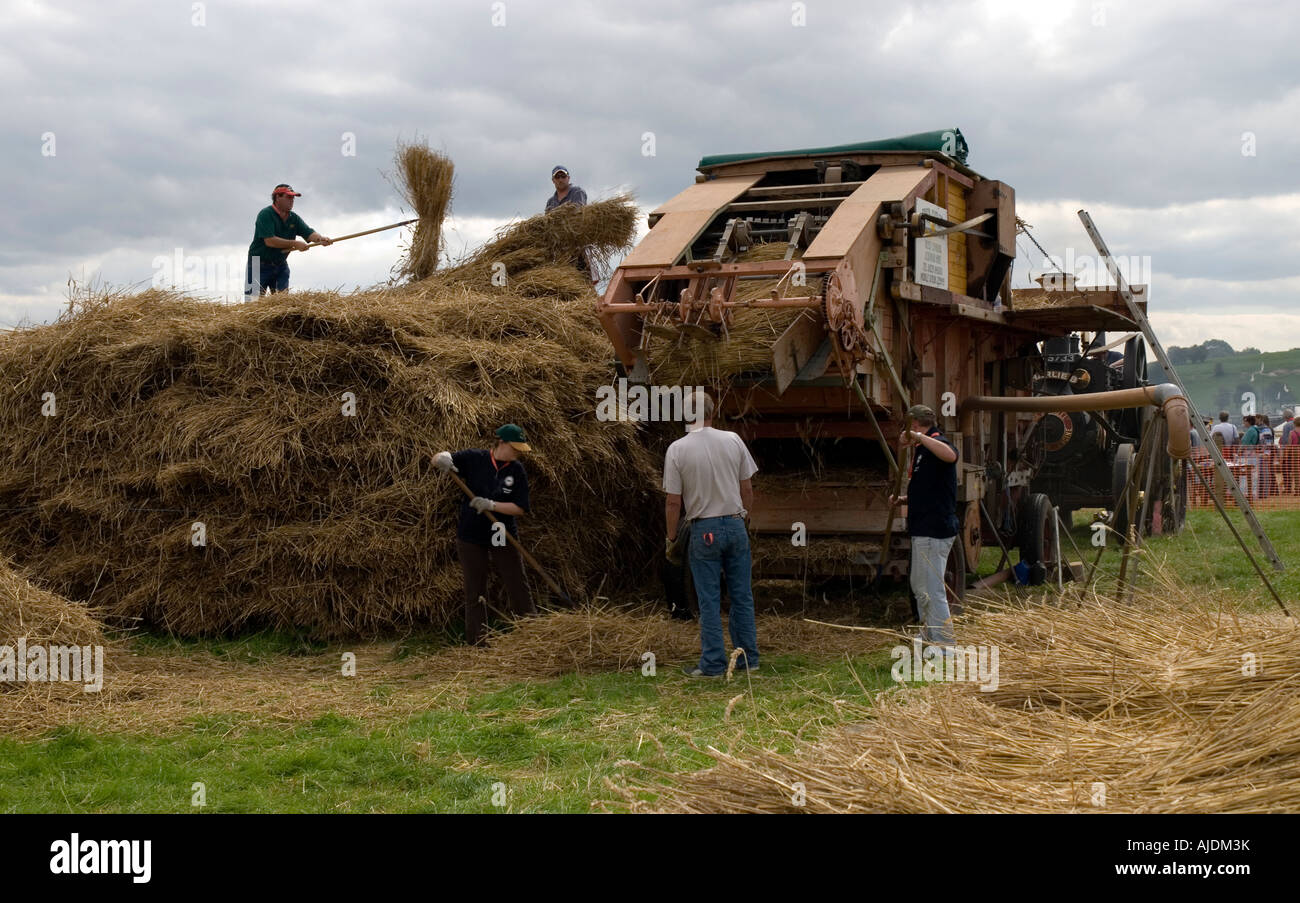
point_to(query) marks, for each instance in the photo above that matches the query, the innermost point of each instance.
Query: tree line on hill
(1206, 351)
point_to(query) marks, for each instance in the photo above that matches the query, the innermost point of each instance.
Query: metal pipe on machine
(1167, 396)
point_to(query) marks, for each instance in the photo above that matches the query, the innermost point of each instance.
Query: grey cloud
(169, 134)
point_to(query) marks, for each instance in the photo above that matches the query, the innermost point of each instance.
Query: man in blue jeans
(707, 472)
(276, 232)
(931, 520)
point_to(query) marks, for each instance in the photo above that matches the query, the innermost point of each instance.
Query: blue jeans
(721, 544)
(271, 277)
(929, 560)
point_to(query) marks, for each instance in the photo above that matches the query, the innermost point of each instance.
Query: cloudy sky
(133, 129)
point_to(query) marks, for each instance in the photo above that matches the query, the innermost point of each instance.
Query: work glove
(442, 461)
(480, 504)
(668, 548)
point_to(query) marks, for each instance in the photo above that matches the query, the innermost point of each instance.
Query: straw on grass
(1163, 706)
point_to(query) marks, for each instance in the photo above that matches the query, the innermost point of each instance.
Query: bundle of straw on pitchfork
(424, 177)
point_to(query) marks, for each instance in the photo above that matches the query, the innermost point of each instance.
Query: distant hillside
(1217, 382)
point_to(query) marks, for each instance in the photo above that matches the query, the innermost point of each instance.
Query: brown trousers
(475, 561)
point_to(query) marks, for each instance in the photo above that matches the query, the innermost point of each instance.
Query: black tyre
(954, 576)
(1119, 472)
(1134, 375)
(1037, 539)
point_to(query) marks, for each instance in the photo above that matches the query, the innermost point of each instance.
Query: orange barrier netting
(1268, 475)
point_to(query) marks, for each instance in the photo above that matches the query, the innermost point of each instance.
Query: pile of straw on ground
(171, 412)
(1100, 708)
(595, 639)
(583, 641)
(42, 617)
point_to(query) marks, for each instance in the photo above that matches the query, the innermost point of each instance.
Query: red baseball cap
(285, 189)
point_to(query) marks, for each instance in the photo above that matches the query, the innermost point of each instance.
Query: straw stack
(215, 467)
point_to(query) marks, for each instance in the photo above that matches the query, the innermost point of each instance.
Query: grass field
(1204, 387)
(265, 724)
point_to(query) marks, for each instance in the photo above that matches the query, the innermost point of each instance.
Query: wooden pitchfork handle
(904, 459)
(405, 222)
(522, 551)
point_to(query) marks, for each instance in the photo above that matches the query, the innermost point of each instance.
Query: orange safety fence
(1268, 475)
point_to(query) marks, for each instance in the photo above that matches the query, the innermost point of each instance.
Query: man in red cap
(278, 231)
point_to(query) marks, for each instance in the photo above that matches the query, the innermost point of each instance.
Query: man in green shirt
(278, 231)
(1251, 455)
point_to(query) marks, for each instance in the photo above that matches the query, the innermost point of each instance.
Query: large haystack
(171, 412)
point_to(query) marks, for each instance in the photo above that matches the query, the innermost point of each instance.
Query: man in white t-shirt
(707, 473)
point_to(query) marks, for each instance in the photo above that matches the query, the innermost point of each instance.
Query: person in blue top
(568, 193)
(277, 231)
(500, 486)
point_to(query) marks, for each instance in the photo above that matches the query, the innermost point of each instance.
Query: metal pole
(1140, 318)
(1056, 541)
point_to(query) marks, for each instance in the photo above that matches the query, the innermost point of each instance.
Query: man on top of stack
(277, 231)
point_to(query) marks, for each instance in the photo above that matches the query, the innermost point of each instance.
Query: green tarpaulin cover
(946, 141)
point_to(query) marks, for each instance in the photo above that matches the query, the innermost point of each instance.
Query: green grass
(1204, 554)
(550, 745)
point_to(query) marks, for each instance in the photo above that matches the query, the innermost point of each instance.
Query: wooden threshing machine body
(891, 318)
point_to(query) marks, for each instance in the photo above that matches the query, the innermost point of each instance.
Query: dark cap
(920, 412)
(556, 170)
(515, 436)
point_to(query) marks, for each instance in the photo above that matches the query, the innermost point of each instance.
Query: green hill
(1277, 386)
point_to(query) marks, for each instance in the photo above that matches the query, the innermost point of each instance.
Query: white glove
(480, 504)
(442, 461)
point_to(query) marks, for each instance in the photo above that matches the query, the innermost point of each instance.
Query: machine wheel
(954, 577)
(1135, 362)
(1119, 472)
(972, 535)
(1174, 497)
(1131, 420)
(1037, 545)
(1180, 495)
